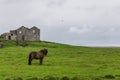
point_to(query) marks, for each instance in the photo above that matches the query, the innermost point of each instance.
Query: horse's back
(36, 55)
(32, 54)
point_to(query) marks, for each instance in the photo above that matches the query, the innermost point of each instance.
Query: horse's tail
(29, 59)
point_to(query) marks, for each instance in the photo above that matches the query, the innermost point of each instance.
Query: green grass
(62, 60)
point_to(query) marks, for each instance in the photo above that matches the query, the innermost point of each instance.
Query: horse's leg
(29, 61)
(41, 60)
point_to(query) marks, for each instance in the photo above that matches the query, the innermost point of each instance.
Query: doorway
(9, 37)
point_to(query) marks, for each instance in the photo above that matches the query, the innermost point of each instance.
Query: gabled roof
(22, 27)
(34, 27)
(25, 28)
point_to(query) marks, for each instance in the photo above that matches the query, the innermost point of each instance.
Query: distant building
(23, 33)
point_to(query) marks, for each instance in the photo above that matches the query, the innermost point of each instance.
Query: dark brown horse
(37, 55)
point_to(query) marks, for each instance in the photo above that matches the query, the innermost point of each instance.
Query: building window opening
(20, 32)
(33, 31)
(11, 34)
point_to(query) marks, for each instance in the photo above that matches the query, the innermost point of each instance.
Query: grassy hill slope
(62, 60)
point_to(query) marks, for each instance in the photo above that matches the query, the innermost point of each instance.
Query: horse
(37, 55)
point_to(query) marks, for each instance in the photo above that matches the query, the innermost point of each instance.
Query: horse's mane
(44, 51)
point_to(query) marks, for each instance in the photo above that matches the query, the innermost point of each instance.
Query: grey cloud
(56, 3)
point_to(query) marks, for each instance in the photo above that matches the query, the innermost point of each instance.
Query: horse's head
(44, 51)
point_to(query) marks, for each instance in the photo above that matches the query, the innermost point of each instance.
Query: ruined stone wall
(32, 34)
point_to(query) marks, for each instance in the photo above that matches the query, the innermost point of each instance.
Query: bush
(109, 77)
(65, 78)
(19, 78)
(7, 79)
(49, 78)
(75, 78)
(97, 78)
(1, 45)
(34, 78)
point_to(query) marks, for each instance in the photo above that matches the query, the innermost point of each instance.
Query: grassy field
(86, 63)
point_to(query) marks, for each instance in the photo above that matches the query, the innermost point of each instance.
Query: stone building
(23, 33)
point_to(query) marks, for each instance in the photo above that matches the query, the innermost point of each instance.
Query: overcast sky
(75, 22)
